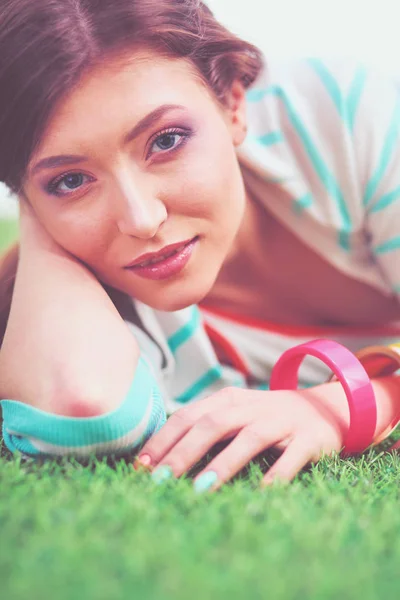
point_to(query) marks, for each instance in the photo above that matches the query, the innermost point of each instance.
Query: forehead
(120, 93)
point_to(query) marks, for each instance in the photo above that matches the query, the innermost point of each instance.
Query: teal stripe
(240, 383)
(344, 240)
(330, 84)
(269, 139)
(319, 165)
(200, 385)
(389, 146)
(389, 246)
(186, 332)
(32, 422)
(300, 204)
(346, 108)
(256, 95)
(396, 289)
(386, 200)
(263, 386)
(353, 99)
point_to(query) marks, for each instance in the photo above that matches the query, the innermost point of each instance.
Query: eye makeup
(71, 177)
(184, 135)
(178, 135)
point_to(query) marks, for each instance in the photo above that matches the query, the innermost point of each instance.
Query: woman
(188, 212)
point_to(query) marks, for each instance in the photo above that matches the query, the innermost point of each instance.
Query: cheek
(208, 180)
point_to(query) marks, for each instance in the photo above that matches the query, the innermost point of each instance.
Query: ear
(236, 112)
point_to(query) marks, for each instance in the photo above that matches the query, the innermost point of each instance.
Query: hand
(296, 422)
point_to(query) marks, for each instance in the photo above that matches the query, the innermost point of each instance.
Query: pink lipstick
(169, 261)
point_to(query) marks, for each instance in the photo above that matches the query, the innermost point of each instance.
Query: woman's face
(141, 156)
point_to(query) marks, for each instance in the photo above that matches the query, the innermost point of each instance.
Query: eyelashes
(165, 142)
(74, 179)
(183, 135)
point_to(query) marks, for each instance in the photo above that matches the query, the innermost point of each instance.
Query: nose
(140, 212)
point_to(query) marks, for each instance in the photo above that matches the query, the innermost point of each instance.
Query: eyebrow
(57, 161)
(150, 120)
(144, 124)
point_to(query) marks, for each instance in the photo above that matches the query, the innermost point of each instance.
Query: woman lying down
(204, 233)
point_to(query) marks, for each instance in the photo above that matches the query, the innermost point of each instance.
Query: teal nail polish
(205, 481)
(161, 474)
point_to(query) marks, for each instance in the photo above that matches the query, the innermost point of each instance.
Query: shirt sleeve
(377, 144)
(330, 136)
(369, 106)
(369, 103)
(365, 104)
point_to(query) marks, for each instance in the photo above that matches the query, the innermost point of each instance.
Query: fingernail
(162, 474)
(139, 464)
(145, 460)
(205, 482)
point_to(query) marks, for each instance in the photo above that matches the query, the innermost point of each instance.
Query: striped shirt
(327, 134)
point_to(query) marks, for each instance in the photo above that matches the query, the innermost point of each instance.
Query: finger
(204, 434)
(296, 456)
(250, 441)
(184, 419)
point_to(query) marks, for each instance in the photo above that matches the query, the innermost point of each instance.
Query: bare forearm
(387, 393)
(64, 338)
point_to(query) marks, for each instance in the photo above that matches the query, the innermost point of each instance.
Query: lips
(151, 258)
(165, 264)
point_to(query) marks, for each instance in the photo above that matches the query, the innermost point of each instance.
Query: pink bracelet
(351, 374)
(381, 361)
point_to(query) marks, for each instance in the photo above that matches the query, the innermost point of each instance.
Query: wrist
(387, 394)
(383, 362)
(331, 397)
(352, 377)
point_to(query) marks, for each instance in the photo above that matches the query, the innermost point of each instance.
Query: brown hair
(47, 45)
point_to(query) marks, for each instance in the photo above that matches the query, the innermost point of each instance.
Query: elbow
(104, 426)
(84, 402)
(82, 408)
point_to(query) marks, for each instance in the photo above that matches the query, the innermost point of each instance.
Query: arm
(69, 362)
(363, 152)
(66, 349)
(387, 394)
(304, 424)
(377, 150)
(377, 147)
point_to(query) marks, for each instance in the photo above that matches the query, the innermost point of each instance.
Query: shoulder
(338, 122)
(340, 86)
(333, 74)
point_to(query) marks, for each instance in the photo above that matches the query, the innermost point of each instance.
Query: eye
(168, 140)
(67, 183)
(71, 181)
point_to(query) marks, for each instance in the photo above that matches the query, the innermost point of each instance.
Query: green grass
(8, 232)
(103, 531)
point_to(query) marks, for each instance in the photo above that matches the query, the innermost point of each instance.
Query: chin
(169, 295)
(178, 297)
(177, 302)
